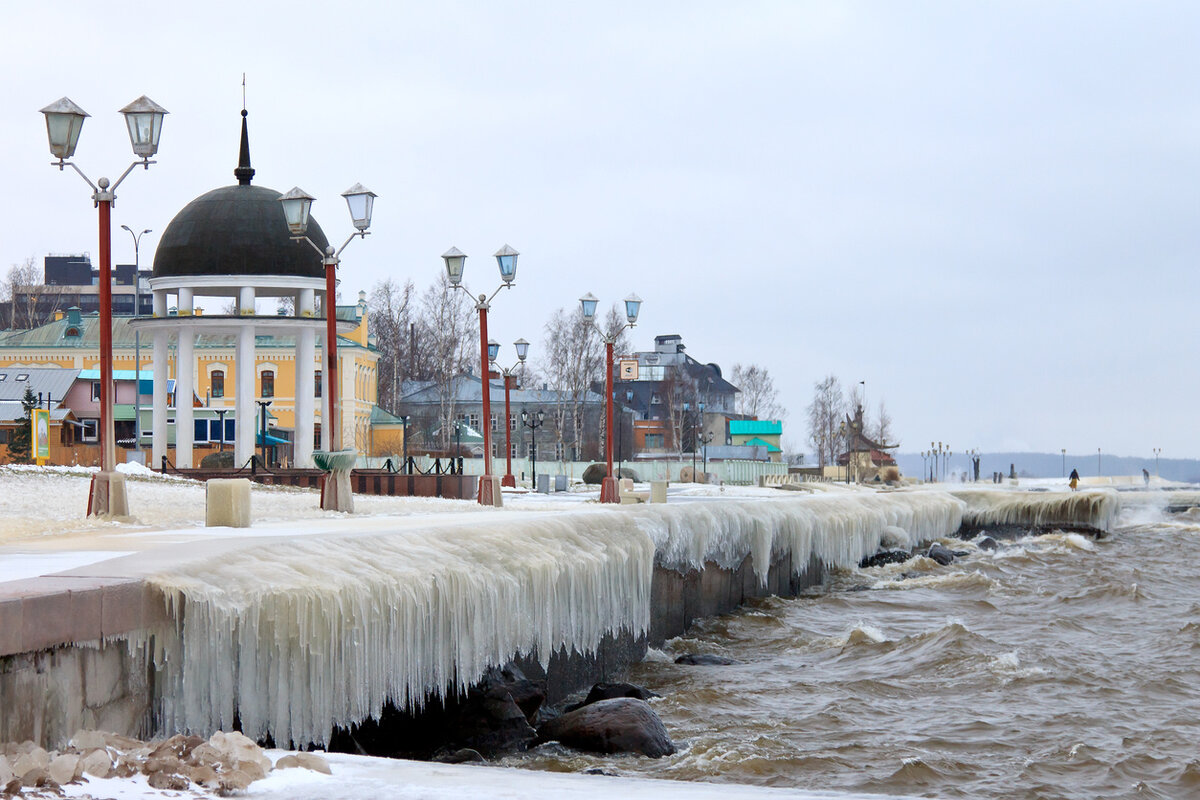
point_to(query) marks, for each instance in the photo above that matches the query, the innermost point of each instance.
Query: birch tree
(825, 415)
(449, 334)
(572, 360)
(758, 396)
(391, 321)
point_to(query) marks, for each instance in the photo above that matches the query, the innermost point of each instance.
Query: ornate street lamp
(64, 123)
(137, 337)
(533, 422)
(506, 261)
(296, 207)
(633, 306)
(510, 379)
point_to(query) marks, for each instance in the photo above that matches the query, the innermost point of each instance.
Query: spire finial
(244, 172)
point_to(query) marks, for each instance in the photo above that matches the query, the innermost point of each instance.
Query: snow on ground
(366, 778)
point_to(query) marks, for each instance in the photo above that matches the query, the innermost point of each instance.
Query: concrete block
(227, 502)
(86, 611)
(108, 495)
(46, 620)
(103, 675)
(543, 483)
(658, 491)
(121, 607)
(560, 483)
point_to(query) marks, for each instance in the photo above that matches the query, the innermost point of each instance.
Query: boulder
(940, 554)
(704, 660)
(464, 755)
(885, 557)
(98, 763)
(608, 691)
(241, 753)
(594, 474)
(304, 761)
(219, 460)
(85, 741)
(620, 725)
(986, 543)
(64, 768)
(35, 759)
(168, 781)
(6, 773)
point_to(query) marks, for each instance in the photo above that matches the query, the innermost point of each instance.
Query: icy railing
(1096, 508)
(295, 637)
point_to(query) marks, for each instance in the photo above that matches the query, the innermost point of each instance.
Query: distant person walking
(1146, 475)
(1074, 479)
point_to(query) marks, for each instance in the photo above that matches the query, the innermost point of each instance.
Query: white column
(243, 447)
(184, 302)
(306, 353)
(326, 412)
(246, 302)
(158, 425)
(185, 364)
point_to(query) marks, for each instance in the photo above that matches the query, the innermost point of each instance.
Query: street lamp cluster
(506, 261)
(510, 378)
(936, 459)
(633, 306)
(64, 123)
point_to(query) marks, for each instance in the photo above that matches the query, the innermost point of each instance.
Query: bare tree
(449, 333)
(882, 432)
(392, 324)
(825, 415)
(758, 397)
(572, 360)
(33, 301)
(680, 395)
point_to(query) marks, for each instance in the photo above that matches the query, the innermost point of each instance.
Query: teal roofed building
(758, 432)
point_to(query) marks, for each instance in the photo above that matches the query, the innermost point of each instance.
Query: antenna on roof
(243, 91)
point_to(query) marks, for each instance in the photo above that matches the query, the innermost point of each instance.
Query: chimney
(74, 316)
(58, 315)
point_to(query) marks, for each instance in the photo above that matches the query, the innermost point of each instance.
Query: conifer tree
(20, 442)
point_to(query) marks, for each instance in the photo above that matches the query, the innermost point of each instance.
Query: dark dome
(236, 230)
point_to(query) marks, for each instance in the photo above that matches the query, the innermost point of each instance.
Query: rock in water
(885, 557)
(608, 691)
(620, 725)
(704, 660)
(986, 543)
(940, 554)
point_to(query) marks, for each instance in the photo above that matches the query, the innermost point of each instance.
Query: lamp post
(1157, 452)
(296, 207)
(533, 422)
(846, 444)
(404, 464)
(633, 306)
(506, 261)
(1099, 466)
(137, 339)
(1064, 467)
(510, 378)
(221, 412)
(64, 122)
(262, 406)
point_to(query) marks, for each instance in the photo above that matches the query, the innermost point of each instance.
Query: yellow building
(72, 341)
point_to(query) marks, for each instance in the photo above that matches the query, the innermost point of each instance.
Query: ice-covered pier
(297, 626)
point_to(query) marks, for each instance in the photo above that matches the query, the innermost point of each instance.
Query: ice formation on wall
(296, 636)
(1097, 508)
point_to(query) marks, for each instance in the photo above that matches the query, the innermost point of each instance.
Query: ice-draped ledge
(1097, 508)
(321, 631)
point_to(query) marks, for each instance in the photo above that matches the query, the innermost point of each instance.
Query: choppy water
(1057, 667)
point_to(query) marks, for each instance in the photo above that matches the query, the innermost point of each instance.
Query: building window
(95, 390)
(654, 441)
(473, 421)
(91, 428)
(22, 376)
(558, 451)
(654, 398)
(268, 383)
(512, 422)
(628, 396)
(218, 383)
(3, 437)
(317, 384)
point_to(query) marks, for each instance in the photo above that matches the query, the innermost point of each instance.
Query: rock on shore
(619, 725)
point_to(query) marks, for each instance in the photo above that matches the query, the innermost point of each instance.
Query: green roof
(756, 442)
(381, 417)
(755, 427)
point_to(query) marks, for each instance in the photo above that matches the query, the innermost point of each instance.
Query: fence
(731, 471)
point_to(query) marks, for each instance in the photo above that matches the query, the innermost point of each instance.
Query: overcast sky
(986, 211)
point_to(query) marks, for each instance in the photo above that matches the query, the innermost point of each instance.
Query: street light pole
(506, 261)
(1099, 467)
(1157, 452)
(533, 422)
(510, 378)
(633, 306)
(137, 339)
(404, 464)
(64, 122)
(1064, 456)
(296, 207)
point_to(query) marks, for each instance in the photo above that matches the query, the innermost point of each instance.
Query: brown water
(1056, 667)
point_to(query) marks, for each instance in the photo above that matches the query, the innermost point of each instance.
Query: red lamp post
(64, 121)
(506, 260)
(337, 460)
(633, 305)
(297, 204)
(510, 379)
